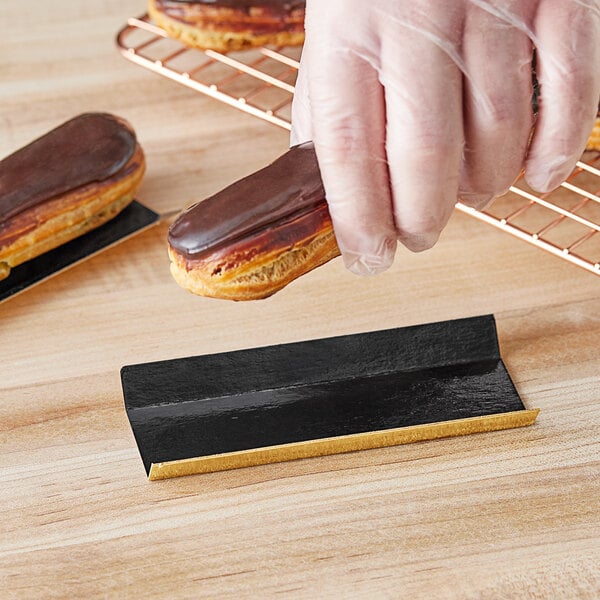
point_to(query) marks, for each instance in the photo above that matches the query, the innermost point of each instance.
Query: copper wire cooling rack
(565, 222)
(259, 82)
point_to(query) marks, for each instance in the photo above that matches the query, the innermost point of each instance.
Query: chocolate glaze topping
(286, 188)
(88, 148)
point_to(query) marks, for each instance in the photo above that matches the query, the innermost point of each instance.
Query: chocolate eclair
(225, 25)
(257, 235)
(66, 183)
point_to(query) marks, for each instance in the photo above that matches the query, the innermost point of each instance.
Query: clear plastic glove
(414, 104)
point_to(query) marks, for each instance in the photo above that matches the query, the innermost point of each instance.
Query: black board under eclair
(383, 388)
(133, 219)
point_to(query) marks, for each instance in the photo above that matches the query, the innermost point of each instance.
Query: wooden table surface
(512, 514)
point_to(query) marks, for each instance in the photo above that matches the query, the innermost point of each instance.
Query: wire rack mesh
(258, 81)
(565, 222)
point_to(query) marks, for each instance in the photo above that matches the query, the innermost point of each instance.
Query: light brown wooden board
(506, 514)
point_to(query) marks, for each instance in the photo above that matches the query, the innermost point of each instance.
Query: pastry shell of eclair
(593, 142)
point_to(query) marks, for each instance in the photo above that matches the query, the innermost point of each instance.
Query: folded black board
(288, 394)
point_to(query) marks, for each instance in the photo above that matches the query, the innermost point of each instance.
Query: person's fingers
(348, 128)
(567, 38)
(301, 124)
(497, 106)
(423, 94)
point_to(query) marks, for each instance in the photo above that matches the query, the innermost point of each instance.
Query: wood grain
(511, 514)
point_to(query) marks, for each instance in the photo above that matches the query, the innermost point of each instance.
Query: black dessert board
(132, 219)
(286, 394)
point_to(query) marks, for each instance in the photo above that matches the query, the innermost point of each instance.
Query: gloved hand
(415, 104)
